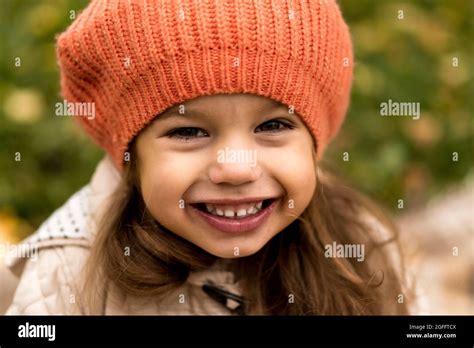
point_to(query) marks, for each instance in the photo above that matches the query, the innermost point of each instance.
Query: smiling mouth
(235, 211)
(235, 218)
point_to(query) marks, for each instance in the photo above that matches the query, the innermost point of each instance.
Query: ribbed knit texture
(295, 52)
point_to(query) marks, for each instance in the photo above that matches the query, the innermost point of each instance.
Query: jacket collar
(221, 285)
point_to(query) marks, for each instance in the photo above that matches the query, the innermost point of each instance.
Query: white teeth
(230, 213)
(242, 212)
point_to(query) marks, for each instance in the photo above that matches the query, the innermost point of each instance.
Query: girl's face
(206, 166)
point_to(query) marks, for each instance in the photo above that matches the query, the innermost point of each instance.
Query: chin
(229, 253)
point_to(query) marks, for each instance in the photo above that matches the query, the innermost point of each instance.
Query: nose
(234, 170)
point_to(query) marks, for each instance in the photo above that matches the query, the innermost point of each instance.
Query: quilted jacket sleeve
(50, 283)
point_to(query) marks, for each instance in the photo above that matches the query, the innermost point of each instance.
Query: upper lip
(231, 201)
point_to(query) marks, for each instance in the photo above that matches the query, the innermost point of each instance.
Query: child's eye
(274, 126)
(186, 133)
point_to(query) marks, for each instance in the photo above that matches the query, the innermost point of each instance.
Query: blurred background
(406, 51)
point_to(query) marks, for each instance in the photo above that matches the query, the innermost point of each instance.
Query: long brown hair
(290, 275)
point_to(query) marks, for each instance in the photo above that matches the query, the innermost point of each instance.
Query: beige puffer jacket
(44, 277)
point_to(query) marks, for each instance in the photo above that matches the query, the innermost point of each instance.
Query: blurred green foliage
(406, 60)
(408, 56)
(56, 157)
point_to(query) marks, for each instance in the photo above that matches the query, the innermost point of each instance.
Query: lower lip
(246, 224)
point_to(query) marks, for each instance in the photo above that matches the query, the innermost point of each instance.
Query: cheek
(164, 179)
(162, 192)
(294, 169)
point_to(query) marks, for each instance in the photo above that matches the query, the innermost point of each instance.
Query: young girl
(215, 116)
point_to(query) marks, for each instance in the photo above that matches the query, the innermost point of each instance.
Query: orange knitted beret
(136, 58)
